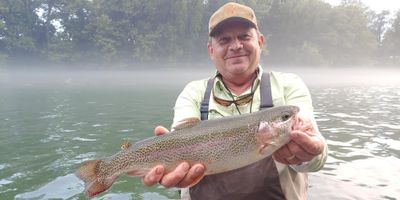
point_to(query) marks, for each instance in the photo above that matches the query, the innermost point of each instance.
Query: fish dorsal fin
(125, 145)
(186, 123)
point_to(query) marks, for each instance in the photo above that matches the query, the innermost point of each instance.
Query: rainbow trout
(220, 144)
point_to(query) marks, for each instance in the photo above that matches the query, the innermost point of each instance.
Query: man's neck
(240, 84)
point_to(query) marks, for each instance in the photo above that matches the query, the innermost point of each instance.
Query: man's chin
(238, 66)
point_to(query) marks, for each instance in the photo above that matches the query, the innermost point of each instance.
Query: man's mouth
(235, 56)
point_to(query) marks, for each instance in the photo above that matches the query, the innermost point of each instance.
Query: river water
(50, 122)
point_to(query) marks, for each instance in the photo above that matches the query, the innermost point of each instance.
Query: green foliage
(19, 34)
(128, 32)
(377, 24)
(355, 42)
(391, 42)
(293, 26)
(314, 33)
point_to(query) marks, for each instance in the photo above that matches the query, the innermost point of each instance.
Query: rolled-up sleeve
(188, 102)
(296, 93)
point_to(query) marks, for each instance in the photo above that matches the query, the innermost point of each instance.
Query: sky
(376, 5)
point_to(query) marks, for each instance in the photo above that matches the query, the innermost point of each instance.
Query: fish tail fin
(89, 173)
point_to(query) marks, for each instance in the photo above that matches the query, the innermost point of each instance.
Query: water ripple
(391, 126)
(12, 178)
(63, 187)
(344, 115)
(84, 139)
(126, 130)
(51, 116)
(98, 125)
(3, 166)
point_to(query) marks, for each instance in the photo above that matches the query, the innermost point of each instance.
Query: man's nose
(236, 45)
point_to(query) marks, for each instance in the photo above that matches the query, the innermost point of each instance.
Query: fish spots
(195, 152)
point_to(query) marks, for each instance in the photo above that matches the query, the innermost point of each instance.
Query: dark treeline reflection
(123, 33)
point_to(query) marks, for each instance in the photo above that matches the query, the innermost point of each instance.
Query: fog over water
(179, 77)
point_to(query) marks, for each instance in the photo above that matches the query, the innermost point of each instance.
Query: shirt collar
(219, 87)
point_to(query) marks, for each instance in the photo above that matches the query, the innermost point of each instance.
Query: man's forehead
(234, 30)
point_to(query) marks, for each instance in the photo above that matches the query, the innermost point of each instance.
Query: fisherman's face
(235, 49)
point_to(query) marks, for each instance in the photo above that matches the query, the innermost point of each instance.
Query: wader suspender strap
(265, 95)
(265, 92)
(206, 100)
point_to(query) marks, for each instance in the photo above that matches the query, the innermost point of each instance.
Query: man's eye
(245, 37)
(223, 40)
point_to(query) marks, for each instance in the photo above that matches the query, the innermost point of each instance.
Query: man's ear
(210, 49)
(261, 40)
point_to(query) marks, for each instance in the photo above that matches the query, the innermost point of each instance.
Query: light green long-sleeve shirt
(286, 89)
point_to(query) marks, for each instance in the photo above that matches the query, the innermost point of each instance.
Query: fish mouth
(301, 124)
(295, 123)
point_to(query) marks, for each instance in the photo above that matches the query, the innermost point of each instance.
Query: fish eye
(285, 117)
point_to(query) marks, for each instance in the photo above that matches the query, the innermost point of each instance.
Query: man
(234, 47)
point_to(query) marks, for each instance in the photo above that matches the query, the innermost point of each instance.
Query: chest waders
(259, 180)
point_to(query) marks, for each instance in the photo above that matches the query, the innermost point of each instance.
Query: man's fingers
(283, 152)
(160, 130)
(173, 178)
(312, 144)
(154, 176)
(286, 153)
(182, 176)
(298, 152)
(195, 174)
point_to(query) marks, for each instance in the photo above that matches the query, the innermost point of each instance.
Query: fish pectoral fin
(137, 173)
(263, 149)
(186, 123)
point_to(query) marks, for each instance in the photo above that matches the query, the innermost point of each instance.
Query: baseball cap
(231, 12)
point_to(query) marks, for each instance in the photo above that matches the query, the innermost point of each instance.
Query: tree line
(125, 33)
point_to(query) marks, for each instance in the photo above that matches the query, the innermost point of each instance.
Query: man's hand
(182, 176)
(305, 144)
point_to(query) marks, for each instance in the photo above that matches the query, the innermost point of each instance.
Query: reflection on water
(47, 130)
